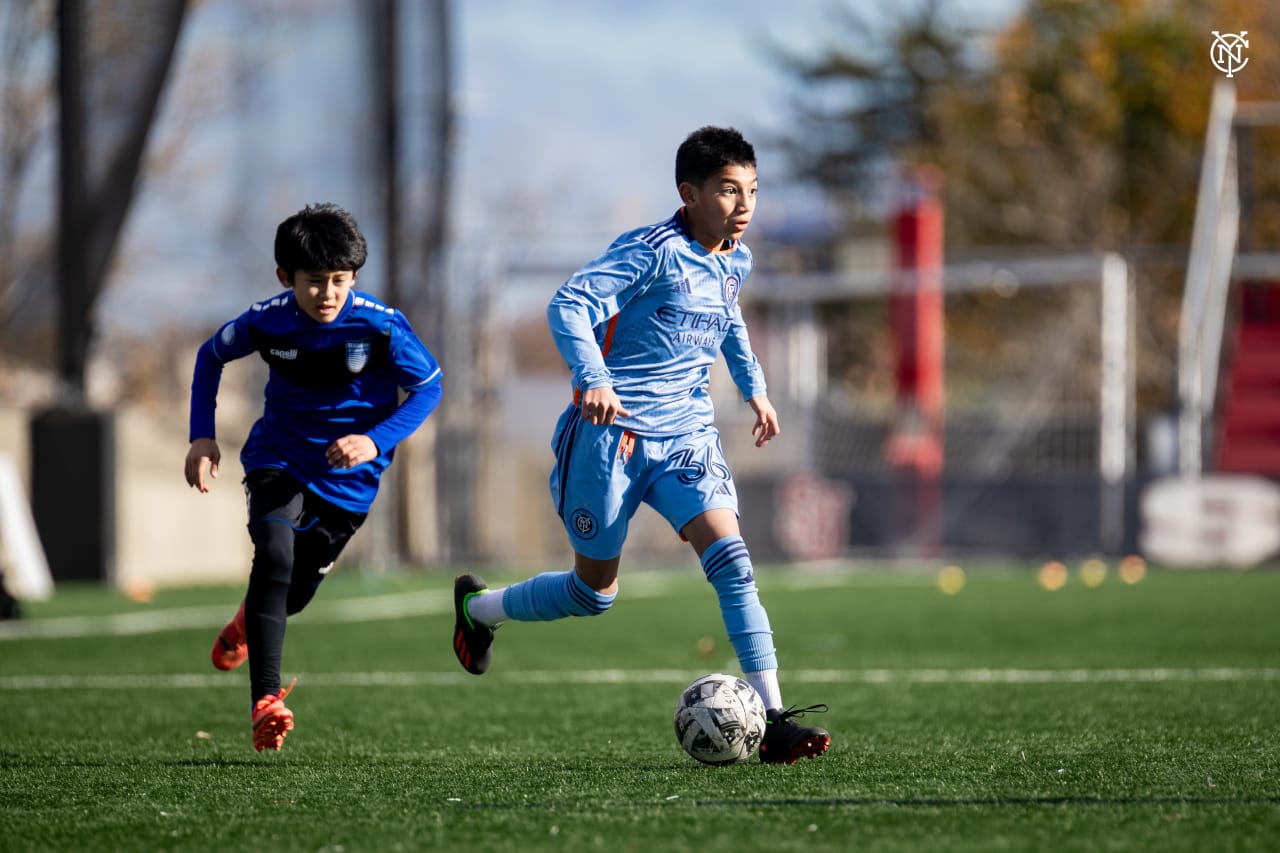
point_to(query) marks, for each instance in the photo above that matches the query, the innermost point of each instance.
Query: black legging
(296, 536)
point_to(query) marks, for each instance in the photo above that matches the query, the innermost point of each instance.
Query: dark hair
(320, 237)
(708, 150)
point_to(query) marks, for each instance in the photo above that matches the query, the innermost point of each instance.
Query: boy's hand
(202, 456)
(601, 405)
(766, 426)
(350, 451)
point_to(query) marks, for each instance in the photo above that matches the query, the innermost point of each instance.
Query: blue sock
(553, 595)
(727, 565)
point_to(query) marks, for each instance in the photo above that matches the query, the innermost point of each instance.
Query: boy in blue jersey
(640, 326)
(331, 419)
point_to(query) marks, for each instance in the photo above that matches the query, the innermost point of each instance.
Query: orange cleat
(231, 648)
(271, 720)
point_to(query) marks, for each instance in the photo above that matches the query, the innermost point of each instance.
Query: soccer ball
(719, 719)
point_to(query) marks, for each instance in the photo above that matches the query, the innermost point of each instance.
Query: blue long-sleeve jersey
(649, 317)
(327, 380)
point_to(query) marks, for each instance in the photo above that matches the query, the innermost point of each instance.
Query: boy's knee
(727, 565)
(272, 547)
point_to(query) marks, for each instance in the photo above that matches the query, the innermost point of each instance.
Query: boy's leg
(327, 530)
(588, 590)
(693, 489)
(275, 512)
(717, 540)
(591, 484)
(550, 595)
(727, 564)
(319, 535)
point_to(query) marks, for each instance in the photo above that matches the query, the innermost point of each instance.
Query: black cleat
(471, 642)
(785, 740)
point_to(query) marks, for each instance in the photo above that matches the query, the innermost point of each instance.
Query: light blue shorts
(603, 473)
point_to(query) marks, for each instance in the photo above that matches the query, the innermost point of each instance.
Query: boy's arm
(203, 456)
(205, 380)
(748, 375)
(418, 373)
(602, 405)
(232, 341)
(407, 417)
(588, 299)
(766, 428)
(743, 366)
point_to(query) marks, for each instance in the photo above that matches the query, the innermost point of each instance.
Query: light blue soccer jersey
(649, 317)
(327, 380)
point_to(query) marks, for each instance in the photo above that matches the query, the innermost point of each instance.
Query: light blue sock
(553, 595)
(727, 565)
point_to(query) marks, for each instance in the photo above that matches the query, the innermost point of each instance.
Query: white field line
(394, 606)
(650, 676)
(363, 609)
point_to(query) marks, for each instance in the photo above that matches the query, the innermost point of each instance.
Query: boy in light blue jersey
(640, 326)
(331, 419)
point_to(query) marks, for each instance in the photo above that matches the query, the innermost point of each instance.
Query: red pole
(915, 444)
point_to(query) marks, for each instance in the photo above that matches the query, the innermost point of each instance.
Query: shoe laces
(793, 711)
(268, 700)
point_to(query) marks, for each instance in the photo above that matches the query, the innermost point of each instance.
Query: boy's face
(720, 209)
(319, 293)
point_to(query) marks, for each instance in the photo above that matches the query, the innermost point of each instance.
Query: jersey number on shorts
(693, 470)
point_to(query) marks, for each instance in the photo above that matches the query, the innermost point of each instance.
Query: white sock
(766, 684)
(486, 608)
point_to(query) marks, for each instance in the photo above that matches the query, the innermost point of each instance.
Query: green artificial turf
(1122, 717)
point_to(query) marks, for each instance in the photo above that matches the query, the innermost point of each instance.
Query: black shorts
(321, 529)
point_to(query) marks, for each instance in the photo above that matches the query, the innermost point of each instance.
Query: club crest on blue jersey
(731, 287)
(358, 355)
(584, 523)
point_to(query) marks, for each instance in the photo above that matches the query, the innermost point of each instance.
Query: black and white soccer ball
(719, 719)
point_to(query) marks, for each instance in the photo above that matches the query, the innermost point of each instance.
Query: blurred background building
(976, 242)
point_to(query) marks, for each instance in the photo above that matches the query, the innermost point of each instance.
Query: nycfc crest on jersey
(731, 287)
(358, 354)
